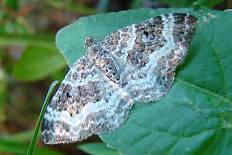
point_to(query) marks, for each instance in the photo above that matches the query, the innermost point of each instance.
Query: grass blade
(33, 140)
(13, 39)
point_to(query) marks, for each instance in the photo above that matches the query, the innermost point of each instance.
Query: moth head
(94, 50)
(89, 42)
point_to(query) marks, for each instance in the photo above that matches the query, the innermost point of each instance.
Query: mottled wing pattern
(149, 53)
(136, 63)
(85, 104)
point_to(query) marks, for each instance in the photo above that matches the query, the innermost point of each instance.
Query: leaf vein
(204, 90)
(151, 130)
(221, 68)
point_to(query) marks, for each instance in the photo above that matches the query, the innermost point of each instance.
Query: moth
(134, 64)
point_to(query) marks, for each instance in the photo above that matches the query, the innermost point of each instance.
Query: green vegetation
(194, 118)
(97, 149)
(38, 124)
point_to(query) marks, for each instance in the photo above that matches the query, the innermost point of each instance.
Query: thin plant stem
(41, 115)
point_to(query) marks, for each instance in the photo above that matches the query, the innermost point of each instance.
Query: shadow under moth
(134, 64)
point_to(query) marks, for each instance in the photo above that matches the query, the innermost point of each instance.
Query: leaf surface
(38, 62)
(97, 149)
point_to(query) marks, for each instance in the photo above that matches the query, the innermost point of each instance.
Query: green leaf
(18, 137)
(185, 3)
(38, 62)
(41, 115)
(2, 92)
(207, 3)
(13, 39)
(177, 3)
(136, 4)
(13, 28)
(71, 6)
(196, 115)
(97, 149)
(14, 147)
(13, 4)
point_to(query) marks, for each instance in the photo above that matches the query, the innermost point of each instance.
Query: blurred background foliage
(29, 62)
